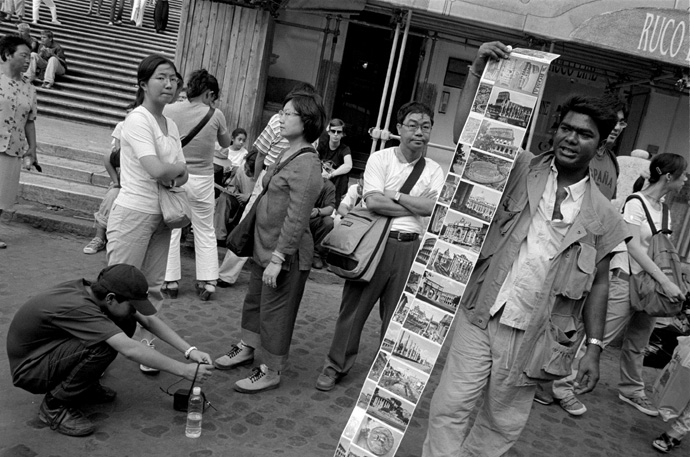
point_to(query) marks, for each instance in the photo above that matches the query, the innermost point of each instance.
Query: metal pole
(422, 53)
(385, 86)
(323, 51)
(397, 75)
(433, 145)
(334, 42)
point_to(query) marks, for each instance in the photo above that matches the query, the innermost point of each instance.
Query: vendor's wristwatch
(596, 341)
(396, 197)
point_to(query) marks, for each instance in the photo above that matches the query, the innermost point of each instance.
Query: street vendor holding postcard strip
(540, 284)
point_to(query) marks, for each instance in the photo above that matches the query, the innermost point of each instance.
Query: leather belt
(402, 236)
(619, 273)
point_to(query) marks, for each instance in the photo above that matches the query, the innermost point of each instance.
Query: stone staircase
(102, 60)
(76, 117)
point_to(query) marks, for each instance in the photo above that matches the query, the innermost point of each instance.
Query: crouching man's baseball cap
(128, 282)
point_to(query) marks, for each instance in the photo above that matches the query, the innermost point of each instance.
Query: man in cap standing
(61, 341)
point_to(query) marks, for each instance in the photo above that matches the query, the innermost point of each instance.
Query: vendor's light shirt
(528, 273)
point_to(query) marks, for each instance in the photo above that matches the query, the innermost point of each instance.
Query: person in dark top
(61, 341)
(321, 222)
(336, 159)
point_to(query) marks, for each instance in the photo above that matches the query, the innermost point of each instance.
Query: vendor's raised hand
(491, 50)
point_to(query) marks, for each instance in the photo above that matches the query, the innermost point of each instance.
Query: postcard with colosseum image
(416, 351)
(464, 231)
(498, 138)
(403, 380)
(476, 201)
(425, 249)
(402, 309)
(510, 107)
(440, 291)
(428, 321)
(487, 170)
(448, 190)
(376, 439)
(452, 262)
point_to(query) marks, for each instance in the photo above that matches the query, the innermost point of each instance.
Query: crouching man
(61, 341)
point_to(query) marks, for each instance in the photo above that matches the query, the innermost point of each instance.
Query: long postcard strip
(506, 100)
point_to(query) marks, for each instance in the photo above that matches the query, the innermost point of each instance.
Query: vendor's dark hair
(200, 81)
(101, 292)
(147, 67)
(600, 110)
(414, 108)
(660, 165)
(311, 112)
(9, 44)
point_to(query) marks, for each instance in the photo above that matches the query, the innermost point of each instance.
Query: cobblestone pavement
(295, 420)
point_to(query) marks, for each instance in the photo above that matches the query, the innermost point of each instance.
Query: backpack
(646, 294)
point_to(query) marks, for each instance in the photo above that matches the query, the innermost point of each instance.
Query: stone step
(81, 116)
(85, 157)
(55, 101)
(73, 170)
(48, 190)
(113, 105)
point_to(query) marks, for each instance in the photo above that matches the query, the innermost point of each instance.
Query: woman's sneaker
(239, 354)
(94, 246)
(261, 379)
(144, 369)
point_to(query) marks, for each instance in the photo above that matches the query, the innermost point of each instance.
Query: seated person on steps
(49, 60)
(231, 202)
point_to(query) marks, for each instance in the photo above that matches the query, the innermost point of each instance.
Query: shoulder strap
(414, 176)
(664, 219)
(192, 133)
(646, 212)
(282, 165)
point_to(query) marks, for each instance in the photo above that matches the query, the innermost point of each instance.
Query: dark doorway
(362, 77)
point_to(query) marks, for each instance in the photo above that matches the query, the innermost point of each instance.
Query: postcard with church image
(453, 262)
(476, 201)
(464, 231)
(428, 321)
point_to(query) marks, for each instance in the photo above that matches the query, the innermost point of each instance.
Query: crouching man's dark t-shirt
(55, 316)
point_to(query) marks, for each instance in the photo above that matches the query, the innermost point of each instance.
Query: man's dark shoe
(223, 284)
(327, 379)
(66, 420)
(97, 394)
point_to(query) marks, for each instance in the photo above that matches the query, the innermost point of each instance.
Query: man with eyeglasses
(385, 173)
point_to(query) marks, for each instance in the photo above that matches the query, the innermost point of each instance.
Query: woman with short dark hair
(283, 247)
(17, 114)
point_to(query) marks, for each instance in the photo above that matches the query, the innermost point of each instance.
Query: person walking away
(160, 15)
(667, 173)
(384, 175)
(283, 248)
(202, 91)
(17, 115)
(151, 155)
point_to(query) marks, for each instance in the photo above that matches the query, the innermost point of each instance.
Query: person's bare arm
(492, 50)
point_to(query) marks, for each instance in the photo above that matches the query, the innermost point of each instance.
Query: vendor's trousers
(478, 362)
(67, 371)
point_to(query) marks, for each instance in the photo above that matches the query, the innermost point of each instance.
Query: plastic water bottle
(195, 411)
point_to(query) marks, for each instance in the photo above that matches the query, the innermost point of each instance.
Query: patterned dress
(17, 107)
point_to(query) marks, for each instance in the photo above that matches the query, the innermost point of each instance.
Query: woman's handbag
(646, 294)
(241, 240)
(174, 206)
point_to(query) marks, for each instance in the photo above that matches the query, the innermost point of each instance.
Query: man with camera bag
(61, 341)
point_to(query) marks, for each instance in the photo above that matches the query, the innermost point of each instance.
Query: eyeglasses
(622, 124)
(288, 113)
(336, 132)
(413, 126)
